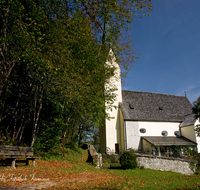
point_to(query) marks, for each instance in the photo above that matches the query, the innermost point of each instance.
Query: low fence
(178, 165)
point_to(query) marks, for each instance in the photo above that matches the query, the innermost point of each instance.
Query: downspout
(180, 128)
(125, 140)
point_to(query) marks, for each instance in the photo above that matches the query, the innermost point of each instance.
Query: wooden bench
(13, 154)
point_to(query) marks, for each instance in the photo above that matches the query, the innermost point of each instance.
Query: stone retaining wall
(96, 158)
(179, 165)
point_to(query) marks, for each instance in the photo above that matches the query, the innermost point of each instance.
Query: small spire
(185, 93)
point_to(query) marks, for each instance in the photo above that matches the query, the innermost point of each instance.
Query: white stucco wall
(132, 134)
(197, 123)
(153, 128)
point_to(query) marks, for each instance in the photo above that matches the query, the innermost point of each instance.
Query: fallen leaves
(53, 174)
(63, 175)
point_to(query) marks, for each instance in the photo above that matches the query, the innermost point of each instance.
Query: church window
(142, 130)
(164, 133)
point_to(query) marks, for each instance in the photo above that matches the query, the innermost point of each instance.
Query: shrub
(175, 151)
(114, 158)
(198, 164)
(128, 160)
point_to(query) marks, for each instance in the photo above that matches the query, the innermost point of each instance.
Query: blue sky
(169, 41)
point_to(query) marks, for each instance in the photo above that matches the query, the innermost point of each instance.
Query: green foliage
(94, 161)
(175, 151)
(196, 111)
(198, 163)
(56, 153)
(105, 160)
(189, 151)
(192, 166)
(7, 142)
(192, 152)
(115, 161)
(47, 140)
(58, 50)
(128, 160)
(114, 158)
(196, 107)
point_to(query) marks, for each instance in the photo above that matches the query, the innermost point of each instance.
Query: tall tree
(196, 111)
(22, 24)
(58, 79)
(72, 82)
(196, 108)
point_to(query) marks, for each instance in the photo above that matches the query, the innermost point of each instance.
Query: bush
(128, 160)
(198, 164)
(175, 151)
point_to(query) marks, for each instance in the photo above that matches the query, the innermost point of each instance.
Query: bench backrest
(6, 150)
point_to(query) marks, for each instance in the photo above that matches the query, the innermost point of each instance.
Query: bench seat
(16, 154)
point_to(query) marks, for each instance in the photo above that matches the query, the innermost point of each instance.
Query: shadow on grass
(116, 167)
(16, 165)
(112, 167)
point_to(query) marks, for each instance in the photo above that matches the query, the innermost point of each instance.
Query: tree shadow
(115, 167)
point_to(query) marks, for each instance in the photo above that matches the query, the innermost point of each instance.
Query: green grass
(71, 156)
(117, 177)
(155, 179)
(135, 179)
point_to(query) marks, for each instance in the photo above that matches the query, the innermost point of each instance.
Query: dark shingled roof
(189, 120)
(169, 141)
(147, 106)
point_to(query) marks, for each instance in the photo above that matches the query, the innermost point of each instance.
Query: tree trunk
(4, 100)
(25, 123)
(15, 123)
(80, 135)
(6, 62)
(36, 117)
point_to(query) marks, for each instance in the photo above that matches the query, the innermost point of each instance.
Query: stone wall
(96, 158)
(179, 165)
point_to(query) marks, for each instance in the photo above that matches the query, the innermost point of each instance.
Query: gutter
(125, 140)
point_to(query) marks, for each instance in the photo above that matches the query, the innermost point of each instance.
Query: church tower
(112, 135)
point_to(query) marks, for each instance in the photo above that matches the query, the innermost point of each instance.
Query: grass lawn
(72, 172)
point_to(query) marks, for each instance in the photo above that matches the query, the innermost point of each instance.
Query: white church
(147, 121)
